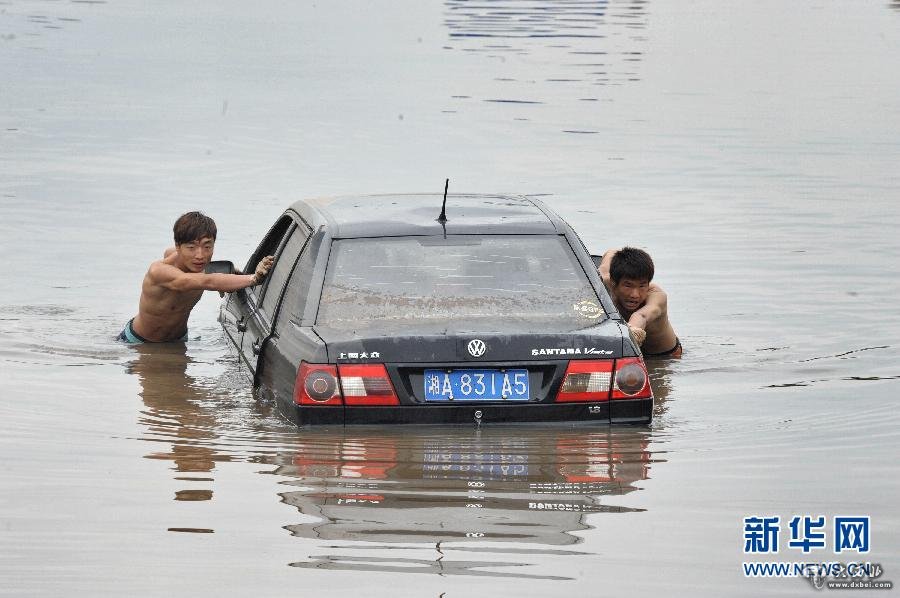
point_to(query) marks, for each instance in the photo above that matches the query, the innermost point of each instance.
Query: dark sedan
(376, 311)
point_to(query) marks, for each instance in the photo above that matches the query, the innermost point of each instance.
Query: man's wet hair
(630, 262)
(193, 226)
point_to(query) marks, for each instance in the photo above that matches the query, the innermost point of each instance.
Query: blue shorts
(128, 335)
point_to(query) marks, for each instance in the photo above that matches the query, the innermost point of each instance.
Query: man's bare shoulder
(162, 269)
(657, 301)
(162, 273)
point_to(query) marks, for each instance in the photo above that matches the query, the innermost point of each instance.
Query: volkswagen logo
(476, 347)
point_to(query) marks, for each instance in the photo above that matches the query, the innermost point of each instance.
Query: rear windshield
(527, 282)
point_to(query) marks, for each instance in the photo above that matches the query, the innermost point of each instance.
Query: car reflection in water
(522, 485)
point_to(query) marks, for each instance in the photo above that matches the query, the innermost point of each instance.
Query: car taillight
(316, 385)
(367, 385)
(324, 384)
(586, 380)
(631, 380)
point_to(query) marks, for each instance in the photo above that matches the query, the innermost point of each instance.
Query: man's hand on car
(638, 334)
(262, 268)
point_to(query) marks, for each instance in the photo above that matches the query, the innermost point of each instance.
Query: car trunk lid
(469, 347)
(502, 360)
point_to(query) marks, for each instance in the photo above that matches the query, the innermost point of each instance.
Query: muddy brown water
(752, 148)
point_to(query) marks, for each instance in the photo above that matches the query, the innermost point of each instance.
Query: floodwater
(751, 147)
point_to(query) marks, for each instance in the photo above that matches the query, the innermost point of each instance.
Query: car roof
(417, 214)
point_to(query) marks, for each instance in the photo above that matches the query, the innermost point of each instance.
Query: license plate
(476, 385)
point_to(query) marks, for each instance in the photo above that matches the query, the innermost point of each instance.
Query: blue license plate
(476, 385)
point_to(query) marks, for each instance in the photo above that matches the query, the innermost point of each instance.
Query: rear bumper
(637, 411)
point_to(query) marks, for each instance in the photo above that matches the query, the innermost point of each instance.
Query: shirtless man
(174, 284)
(627, 273)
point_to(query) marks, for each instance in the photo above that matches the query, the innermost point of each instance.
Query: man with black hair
(627, 274)
(174, 284)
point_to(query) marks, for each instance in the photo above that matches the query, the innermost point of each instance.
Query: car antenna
(443, 217)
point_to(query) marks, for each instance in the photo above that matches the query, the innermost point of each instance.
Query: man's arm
(651, 311)
(605, 261)
(170, 277)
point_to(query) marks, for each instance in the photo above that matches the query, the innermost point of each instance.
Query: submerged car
(377, 311)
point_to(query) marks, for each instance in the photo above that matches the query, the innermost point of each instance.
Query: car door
(266, 298)
(293, 340)
(233, 316)
(240, 307)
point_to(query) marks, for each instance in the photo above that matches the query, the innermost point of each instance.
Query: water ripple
(555, 31)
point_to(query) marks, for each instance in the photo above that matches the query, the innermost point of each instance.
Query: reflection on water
(759, 148)
(590, 42)
(197, 422)
(512, 486)
(517, 491)
(176, 414)
(33, 23)
(659, 370)
(518, 18)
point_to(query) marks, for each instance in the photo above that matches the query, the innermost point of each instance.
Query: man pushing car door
(627, 273)
(174, 284)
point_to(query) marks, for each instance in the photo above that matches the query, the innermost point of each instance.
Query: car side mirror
(221, 267)
(596, 259)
